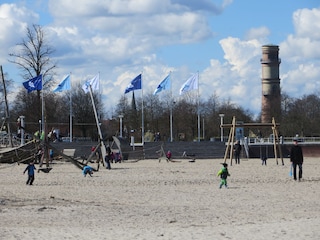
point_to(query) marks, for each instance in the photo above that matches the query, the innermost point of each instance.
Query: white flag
(190, 84)
(94, 83)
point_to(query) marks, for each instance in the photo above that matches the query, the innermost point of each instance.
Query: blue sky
(221, 39)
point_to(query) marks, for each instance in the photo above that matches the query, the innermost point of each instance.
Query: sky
(219, 39)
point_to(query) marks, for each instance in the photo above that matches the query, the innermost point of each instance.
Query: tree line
(299, 116)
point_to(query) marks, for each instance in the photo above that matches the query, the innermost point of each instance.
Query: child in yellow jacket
(223, 173)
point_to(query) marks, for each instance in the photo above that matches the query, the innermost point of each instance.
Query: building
(271, 92)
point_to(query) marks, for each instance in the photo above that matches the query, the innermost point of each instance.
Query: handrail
(283, 140)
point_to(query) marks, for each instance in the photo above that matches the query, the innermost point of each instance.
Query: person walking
(296, 159)
(223, 173)
(237, 151)
(30, 168)
(108, 157)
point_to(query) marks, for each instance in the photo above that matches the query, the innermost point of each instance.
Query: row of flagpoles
(93, 84)
(36, 83)
(192, 83)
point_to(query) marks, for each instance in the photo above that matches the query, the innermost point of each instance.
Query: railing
(76, 139)
(283, 140)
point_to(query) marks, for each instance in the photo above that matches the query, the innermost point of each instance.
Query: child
(39, 154)
(30, 168)
(168, 155)
(264, 161)
(223, 173)
(87, 170)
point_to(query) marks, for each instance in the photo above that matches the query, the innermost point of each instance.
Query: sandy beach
(152, 200)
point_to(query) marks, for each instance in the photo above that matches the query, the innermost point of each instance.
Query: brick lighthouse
(271, 93)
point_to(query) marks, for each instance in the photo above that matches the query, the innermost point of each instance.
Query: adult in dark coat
(296, 158)
(108, 157)
(237, 151)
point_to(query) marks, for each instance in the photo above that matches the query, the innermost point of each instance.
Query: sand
(151, 200)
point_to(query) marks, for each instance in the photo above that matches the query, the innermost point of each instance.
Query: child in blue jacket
(30, 168)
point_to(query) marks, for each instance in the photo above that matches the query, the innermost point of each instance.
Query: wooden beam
(250, 125)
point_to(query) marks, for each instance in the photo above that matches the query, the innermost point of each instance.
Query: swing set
(234, 125)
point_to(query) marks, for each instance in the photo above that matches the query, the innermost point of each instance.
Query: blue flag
(135, 84)
(164, 85)
(33, 84)
(63, 85)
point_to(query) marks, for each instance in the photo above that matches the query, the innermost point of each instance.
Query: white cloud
(296, 49)
(260, 33)
(240, 53)
(98, 8)
(304, 43)
(229, 85)
(13, 23)
(301, 80)
(300, 53)
(115, 34)
(307, 23)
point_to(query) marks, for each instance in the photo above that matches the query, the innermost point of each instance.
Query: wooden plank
(250, 125)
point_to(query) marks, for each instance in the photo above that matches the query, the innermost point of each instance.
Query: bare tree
(33, 54)
(33, 57)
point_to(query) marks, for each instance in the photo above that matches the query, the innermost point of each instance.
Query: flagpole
(70, 130)
(6, 107)
(171, 103)
(103, 148)
(142, 114)
(99, 94)
(198, 110)
(42, 110)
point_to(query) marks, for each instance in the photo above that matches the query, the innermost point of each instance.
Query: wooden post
(276, 142)
(230, 142)
(232, 139)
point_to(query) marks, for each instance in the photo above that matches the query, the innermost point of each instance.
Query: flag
(63, 85)
(190, 84)
(135, 84)
(94, 83)
(33, 84)
(164, 85)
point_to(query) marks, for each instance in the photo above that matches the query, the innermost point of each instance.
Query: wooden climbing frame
(234, 125)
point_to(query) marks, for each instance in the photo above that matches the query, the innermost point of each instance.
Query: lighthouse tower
(271, 93)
